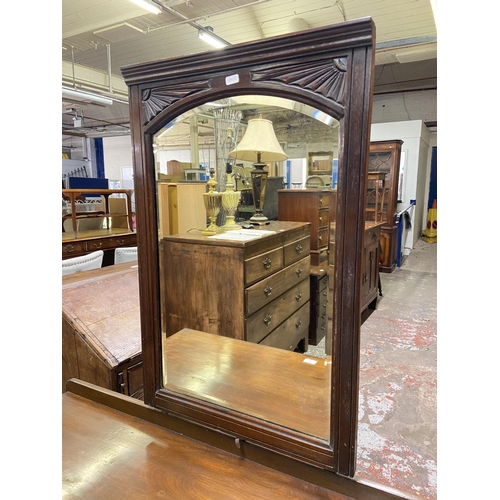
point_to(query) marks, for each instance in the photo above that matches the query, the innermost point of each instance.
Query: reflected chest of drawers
(308, 205)
(256, 290)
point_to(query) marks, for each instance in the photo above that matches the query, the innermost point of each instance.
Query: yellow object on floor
(429, 235)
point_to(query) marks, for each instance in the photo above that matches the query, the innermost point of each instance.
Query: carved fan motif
(326, 78)
(158, 99)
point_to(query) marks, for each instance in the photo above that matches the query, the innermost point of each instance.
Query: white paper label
(310, 361)
(230, 80)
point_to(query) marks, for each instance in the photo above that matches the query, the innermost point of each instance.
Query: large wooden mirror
(324, 75)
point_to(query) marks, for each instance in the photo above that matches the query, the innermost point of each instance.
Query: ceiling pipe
(108, 56)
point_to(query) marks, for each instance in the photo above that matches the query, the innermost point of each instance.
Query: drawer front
(324, 199)
(108, 243)
(297, 250)
(322, 238)
(265, 320)
(70, 249)
(130, 380)
(263, 265)
(290, 332)
(323, 217)
(265, 291)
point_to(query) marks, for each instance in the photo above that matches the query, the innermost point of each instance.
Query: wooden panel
(69, 357)
(269, 317)
(118, 209)
(91, 431)
(208, 288)
(181, 207)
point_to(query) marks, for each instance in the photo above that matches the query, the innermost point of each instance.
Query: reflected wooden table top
(288, 388)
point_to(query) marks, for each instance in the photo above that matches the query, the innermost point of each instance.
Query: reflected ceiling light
(207, 35)
(84, 96)
(148, 5)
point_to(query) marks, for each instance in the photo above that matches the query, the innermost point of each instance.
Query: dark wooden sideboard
(101, 331)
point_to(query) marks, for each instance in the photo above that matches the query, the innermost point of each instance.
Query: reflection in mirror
(237, 304)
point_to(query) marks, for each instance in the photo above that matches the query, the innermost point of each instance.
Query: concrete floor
(397, 436)
(398, 381)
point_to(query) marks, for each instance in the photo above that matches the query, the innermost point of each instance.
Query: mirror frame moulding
(331, 69)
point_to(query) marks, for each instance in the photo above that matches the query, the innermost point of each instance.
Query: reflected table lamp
(260, 146)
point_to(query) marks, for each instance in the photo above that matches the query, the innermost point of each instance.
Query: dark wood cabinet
(101, 331)
(385, 157)
(370, 274)
(256, 290)
(308, 205)
(318, 320)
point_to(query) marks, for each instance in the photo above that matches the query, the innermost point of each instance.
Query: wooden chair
(82, 263)
(125, 254)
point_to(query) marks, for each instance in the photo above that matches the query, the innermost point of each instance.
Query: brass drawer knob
(298, 249)
(298, 296)
(267, 319)
(298, 323)
(267, 263)
(268, 290)
(298, 271)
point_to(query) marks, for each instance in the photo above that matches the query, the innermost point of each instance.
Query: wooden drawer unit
(101, 331)
(97, 240)
(239, 289)
(308, 205)
(318, 321)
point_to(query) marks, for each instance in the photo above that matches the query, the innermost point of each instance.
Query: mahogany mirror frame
(330, 68)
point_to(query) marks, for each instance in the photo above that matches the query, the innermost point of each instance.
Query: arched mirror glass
(254, 342)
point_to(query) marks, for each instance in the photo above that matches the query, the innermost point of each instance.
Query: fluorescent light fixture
(207, 35)
(148, 5)
(84, 96)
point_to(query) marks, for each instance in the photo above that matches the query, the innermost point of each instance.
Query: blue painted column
(99, 157)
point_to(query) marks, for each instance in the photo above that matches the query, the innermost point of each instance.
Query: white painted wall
(117, 154)
(417, 146)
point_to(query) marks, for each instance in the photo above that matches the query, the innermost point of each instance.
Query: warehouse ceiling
(101, 36)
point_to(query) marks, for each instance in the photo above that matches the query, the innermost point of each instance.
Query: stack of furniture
(385, 158)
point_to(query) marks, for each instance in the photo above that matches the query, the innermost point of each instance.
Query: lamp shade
(259, 140)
